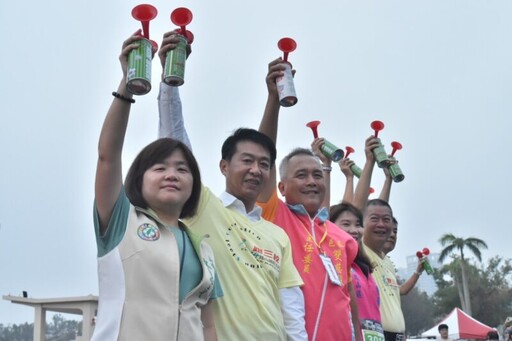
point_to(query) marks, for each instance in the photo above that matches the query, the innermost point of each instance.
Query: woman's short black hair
(152, 154)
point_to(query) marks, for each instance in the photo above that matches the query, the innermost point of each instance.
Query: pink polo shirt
(327, 304)
(368, 302)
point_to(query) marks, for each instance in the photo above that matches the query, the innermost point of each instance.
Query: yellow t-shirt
(389, 290)
(253, 261)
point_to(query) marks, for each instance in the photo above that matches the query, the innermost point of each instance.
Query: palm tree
(457, 244)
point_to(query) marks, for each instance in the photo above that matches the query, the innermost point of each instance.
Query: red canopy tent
(461, 326)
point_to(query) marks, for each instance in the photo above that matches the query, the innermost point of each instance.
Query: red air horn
(356, 170)
(139, 60)
(394, 168)
(285, 85)
(379, 152)
(174, 68)
(423, 257)
(328, 149)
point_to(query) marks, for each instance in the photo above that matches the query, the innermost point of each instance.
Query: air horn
(356, 170)
(285, 86)
(139, 60)
(379, 152)
(174, 68)
(328, 149)
(394, 168)
(423, 257)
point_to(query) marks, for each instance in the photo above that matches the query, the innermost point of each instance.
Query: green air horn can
(356, 170)
(396, 172)
(139, 68)
(427, 266)
(174, 69)
(331, 151)
(381, 157)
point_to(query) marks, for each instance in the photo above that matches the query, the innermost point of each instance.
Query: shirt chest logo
(148, 232)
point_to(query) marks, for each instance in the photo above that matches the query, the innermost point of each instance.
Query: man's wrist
(348, 175)
(273, 96)
(326, 168)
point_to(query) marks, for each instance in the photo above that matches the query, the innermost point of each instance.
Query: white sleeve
(292, 306)
(171, 123)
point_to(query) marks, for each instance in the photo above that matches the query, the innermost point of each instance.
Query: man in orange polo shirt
(322, 252)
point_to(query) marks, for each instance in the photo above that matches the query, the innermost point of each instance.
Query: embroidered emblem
(148, 232)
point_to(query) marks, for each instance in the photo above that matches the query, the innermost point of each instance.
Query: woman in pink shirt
(349, 218)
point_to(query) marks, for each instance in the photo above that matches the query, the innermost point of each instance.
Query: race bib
(372, 335)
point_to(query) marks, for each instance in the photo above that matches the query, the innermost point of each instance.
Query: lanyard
(319, 244)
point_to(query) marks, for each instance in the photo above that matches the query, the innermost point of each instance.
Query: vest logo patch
(148, 232)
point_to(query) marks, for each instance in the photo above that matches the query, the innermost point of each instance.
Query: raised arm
(269, 121)
(326, 167)
(171, 123)
(292, 299)
(345, 164)
(407, 286)
(386, 187)
(109, 170)
(363, 185)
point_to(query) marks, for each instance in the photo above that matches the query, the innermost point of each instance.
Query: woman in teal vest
(156, 278)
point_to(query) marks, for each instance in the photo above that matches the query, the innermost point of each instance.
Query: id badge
(331, 270)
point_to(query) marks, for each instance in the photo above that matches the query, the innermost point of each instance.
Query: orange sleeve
(270, 207)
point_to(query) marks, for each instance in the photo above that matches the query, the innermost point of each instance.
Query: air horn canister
(139, 60)
(174, 68)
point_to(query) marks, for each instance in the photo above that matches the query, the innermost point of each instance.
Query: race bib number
(372, 335)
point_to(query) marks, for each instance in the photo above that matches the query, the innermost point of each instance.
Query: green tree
(448, 280)
(490, 288)
(454, 244)
(22, 332)
(418, 311)
(59, 330)
(494, 287)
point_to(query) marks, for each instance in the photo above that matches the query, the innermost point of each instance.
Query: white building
(426, 282)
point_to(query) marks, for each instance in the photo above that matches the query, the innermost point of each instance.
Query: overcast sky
(437, 73)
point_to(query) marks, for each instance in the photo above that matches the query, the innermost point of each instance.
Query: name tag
(331, 270)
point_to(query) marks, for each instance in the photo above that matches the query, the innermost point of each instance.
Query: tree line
(59, 329)
(483, 291)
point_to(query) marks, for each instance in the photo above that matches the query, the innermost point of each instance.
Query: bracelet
(417, 273)
(122, 98)
(326, 169)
